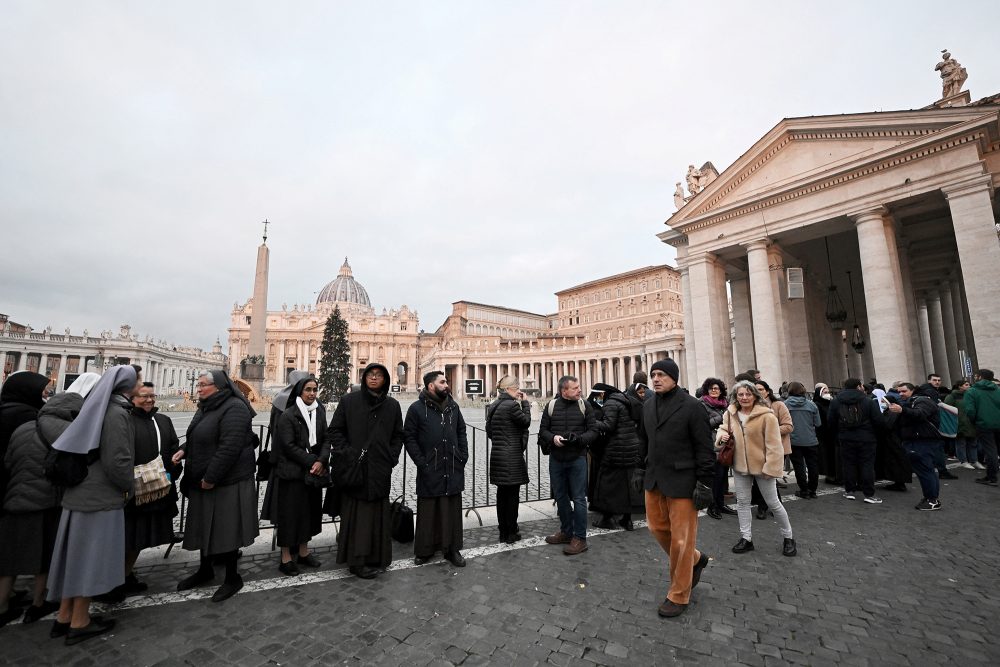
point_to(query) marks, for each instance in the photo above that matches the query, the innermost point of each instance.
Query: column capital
(968, 187)
(874, 213)
(757, 244)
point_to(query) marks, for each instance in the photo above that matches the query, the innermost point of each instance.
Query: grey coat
(108, 484)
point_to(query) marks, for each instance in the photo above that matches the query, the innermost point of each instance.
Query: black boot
(204, 574)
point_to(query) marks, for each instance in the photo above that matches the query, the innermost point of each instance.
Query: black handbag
(401, 521)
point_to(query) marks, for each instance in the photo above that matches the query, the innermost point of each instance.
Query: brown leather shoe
(575, 547)
(669, 609)
(559, 538)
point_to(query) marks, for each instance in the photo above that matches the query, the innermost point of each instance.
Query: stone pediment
(800, 152)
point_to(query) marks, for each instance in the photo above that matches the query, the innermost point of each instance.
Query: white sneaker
(872, 500)
(849, 496)
(978, 466)
(968, 466)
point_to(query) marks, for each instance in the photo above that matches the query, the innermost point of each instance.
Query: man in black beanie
(676, 443)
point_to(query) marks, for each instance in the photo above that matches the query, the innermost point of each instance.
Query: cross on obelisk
(265, 223)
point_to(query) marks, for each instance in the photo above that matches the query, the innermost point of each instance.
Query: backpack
(852, 415)
(947, 426)
(551, 407)
(65, 469)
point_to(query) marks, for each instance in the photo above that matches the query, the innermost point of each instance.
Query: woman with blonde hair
(758, 455)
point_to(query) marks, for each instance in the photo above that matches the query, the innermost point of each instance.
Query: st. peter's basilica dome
(344, 289)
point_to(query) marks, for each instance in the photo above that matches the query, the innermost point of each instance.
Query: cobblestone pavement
(872, 584)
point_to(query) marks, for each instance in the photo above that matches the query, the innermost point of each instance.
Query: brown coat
(758, 448)
(785, 424)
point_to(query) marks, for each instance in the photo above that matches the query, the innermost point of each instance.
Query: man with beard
(917, 417)
(435, 439)
(367, 420)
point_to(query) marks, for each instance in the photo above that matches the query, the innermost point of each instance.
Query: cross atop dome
(345, 270)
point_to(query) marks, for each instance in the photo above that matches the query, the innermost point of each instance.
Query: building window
(402, 326)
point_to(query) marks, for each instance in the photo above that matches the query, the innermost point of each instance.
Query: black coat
(293, 458)
(507, 423)
(436, 441)
(865, 431)
(362, 420)
(917, 420)
(622, 448)
(146, 450)
(567, 419)
(676, 443)
(220, 446)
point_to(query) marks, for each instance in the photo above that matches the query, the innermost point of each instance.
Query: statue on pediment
(953, 75)
(692, 177)
(679, 196)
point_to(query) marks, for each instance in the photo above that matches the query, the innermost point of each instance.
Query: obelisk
(254, 372)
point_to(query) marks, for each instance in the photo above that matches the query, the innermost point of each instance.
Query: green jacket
(965, 427)
(982, 405)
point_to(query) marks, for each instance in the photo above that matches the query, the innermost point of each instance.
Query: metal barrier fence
(478, 493)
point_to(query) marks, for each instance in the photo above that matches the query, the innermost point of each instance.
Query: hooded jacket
(982, 405)
(29, 490)
(757, 444)
(507, 423)
(805, 420)
(863, 432)
(219, 447)
(956, 399)
(434, 437)
(372, 421)
(622, 449)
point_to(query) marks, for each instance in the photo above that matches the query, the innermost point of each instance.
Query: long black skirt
(439, 525)
(146, 528)
(891, 462)
(299, 512)
(364, 537)
(27, 540)
(612, 493)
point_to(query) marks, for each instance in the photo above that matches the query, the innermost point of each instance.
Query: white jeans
(769, 490)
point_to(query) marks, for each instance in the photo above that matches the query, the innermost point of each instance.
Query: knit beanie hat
(668, 366)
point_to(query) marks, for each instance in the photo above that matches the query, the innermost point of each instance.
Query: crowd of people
(89, 476)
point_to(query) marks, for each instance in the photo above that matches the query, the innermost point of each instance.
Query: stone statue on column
(953, 75)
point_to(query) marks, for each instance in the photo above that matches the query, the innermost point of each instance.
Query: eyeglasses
(204, 384)
(144, 397)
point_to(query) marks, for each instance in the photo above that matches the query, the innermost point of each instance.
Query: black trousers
(720, 484)
(508, 497)
(806, 459)
(859, 466)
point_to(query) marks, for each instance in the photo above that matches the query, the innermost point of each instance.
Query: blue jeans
(923, 454)
(966, 450)
(569, 486)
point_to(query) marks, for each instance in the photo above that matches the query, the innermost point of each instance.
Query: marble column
(950, 333)
(958, 314)
(978, 248)
(709, 327)
(764, 301)
(884, 298)
(689, 340)
(939, 349)
(923, 324)
(743, 346)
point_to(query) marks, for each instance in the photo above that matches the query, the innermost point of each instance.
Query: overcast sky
(492, 152)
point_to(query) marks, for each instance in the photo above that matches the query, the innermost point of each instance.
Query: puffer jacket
(293, 457)
(757, 446)
(507, 423)
(566, 419)
(29, 490)
(806, 419)
(109, 480)
(436, 441)
(219, 442)
(623, 448)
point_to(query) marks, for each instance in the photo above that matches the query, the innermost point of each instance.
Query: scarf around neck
(309, 414)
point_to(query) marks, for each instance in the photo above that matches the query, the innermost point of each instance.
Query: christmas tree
(335, 364)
